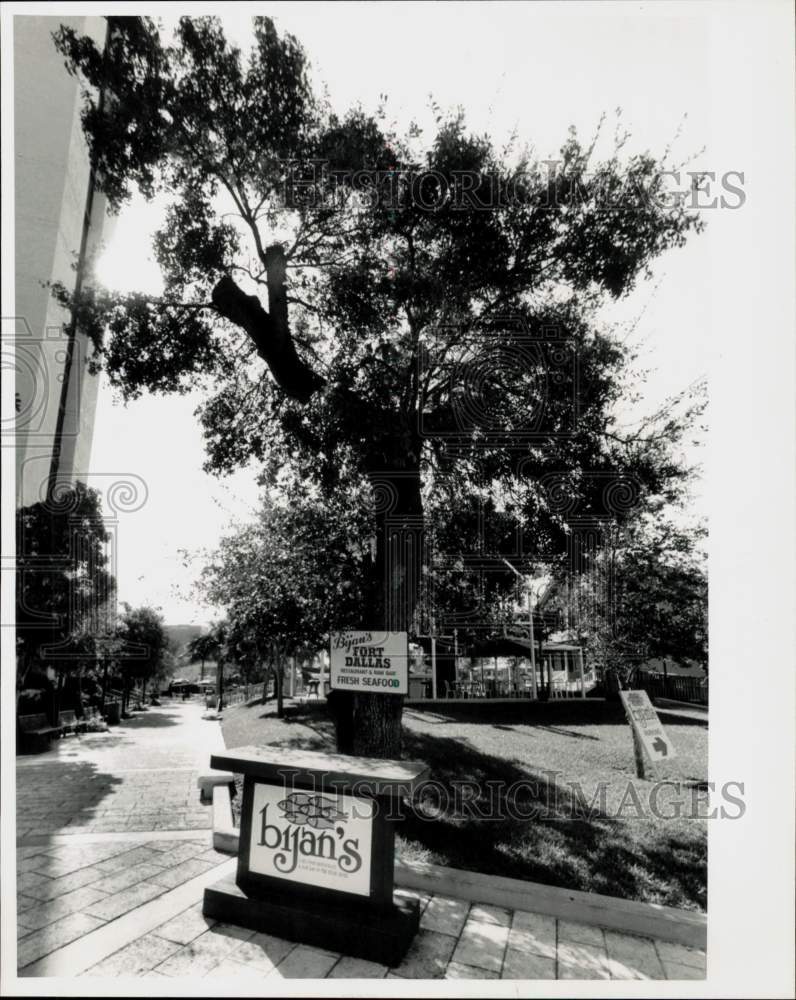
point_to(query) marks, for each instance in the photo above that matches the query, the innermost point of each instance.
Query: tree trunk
(369, 725)
(79, 693)
(220, 680)
(56, 702)
(280, 704)
(104, 682)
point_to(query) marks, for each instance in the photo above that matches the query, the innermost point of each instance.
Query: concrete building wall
(51, 188)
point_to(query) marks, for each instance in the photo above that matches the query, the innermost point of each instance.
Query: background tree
(402, 305)
(142, 628)
(202, 648)
(293, 575)
(64, 590)
(645, 595)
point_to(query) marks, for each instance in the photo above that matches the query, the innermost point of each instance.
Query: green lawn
(531, 764)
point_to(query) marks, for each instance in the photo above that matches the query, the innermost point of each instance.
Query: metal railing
(690, 689)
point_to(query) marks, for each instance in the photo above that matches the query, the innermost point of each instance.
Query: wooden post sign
(648, 733)
(316, 854)
(370, 660)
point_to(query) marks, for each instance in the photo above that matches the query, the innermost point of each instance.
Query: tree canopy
(407, 315)
(64, 590)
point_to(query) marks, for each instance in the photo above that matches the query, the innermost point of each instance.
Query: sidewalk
(114, 852)
(457, 940)
(140, 776)
(107, 822)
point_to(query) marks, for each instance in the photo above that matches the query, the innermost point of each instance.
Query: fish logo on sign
(313, 810)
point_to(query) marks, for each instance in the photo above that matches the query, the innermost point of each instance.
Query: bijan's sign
(315, 839)
(370, 660)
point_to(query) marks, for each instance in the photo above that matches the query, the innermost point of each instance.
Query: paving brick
(222, 939)
(183, 851)
(357, 968)
(534, 932)
(263, 950)
(120, 862)
(185, 926)
(170, 878)
(190, 960)
(445, 915)
(305, 962)
(632, 957)
(29, 882)
(230, 970)
(522, 965)
(482, 945)
(579, 933)
(159, 845)
(428, 956)
(29, 851)
(25, 902)
(124, 901)
(135, 958)
(680, 955)
(47, 913)
(582, 961)
(490, 914)
(456, 970)
(56, 935)
(127, 877)
(674, 970)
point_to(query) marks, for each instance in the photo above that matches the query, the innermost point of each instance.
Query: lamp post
(530, 629)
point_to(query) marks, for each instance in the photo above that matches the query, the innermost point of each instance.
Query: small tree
(143, 628)
(292, 576)
(203, 647)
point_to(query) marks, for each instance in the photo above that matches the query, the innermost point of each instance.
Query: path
(114, 852)
(108, 823)
(456, 940)
(140, 776)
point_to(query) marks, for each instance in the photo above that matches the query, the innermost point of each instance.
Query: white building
(59, 218)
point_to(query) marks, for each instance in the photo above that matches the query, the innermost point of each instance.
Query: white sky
(528, 68)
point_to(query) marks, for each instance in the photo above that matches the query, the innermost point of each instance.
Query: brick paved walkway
(139, 777)
(65, 892)
(457, 940)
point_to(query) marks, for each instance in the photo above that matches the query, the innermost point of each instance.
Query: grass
(531, 808)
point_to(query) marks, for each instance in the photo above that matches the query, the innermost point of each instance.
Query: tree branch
(269, 330)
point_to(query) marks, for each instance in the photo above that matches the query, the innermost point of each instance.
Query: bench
(67, 723)
(36, 732)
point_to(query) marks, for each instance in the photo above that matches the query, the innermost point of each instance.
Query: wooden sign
(370, 660)
(317, 851)
(647, 726)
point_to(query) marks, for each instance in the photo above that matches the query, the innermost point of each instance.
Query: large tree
(413, 313)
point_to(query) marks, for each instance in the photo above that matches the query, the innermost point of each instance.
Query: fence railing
(690, 689)
(237, 696)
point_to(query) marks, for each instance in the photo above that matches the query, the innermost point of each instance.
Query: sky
(531, 69)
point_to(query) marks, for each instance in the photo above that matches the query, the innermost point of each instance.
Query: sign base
(384, 937)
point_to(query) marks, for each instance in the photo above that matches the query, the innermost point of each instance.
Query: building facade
(59, 221)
